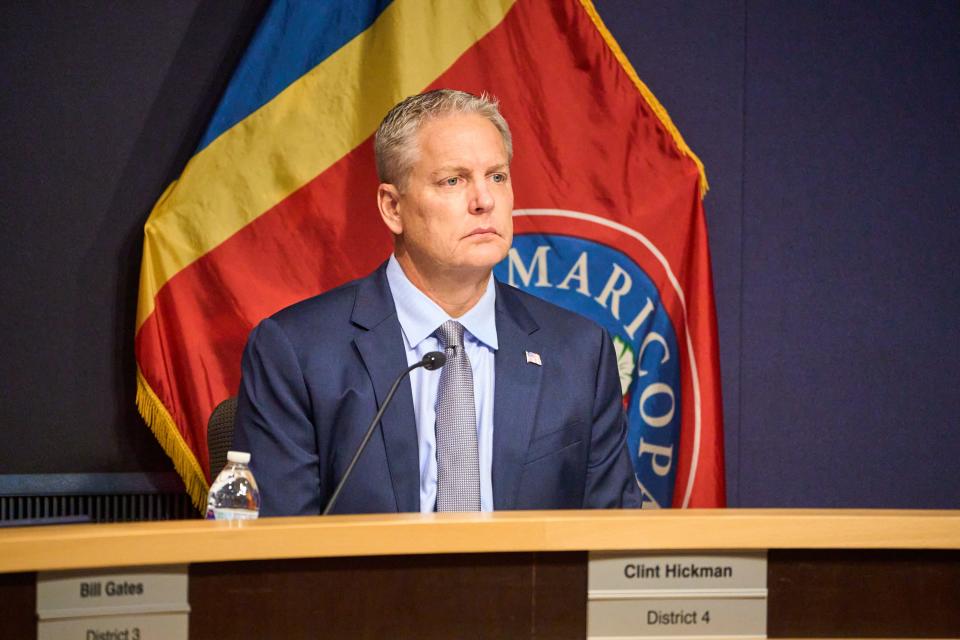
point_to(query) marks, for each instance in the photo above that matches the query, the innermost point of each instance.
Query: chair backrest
(220, 435)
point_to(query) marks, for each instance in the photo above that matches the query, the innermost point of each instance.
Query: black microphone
(432, 361)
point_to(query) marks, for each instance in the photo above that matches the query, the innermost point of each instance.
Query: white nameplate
(122, 591)
(692, 573)
(736, 617)
(147, 626)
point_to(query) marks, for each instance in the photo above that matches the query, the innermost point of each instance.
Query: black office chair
(220, 435)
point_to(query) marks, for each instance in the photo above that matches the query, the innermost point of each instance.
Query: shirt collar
(420, 316)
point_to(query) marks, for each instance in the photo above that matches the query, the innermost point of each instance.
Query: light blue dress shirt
(419, 317)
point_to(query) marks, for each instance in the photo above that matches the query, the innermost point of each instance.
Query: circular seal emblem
(609, 273)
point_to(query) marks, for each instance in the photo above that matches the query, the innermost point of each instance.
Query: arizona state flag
(278, 204)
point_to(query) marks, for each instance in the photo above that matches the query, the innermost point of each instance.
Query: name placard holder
(678, 595)
(113, 604)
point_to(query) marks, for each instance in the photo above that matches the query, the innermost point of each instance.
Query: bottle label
(224, 513)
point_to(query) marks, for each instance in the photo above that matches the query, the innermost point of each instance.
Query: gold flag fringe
(169, 437)
(651, 99)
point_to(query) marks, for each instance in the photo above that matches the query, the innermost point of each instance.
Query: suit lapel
(381, 349)
(516, 396)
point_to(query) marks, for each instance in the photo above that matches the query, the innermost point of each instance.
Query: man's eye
(451, 182)
(499, 177)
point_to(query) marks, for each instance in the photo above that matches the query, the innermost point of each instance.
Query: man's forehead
(453, 168)
(452, 140)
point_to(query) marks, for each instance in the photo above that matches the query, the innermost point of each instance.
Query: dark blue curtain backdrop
(831, 136)
(830, 132)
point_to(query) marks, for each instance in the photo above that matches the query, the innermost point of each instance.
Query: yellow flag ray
(304, 130)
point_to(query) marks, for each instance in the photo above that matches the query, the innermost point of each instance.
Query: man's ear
(388, 200)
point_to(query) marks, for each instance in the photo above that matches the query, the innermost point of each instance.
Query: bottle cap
(238, 456)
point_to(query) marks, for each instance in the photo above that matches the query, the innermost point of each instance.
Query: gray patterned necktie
(458, 465)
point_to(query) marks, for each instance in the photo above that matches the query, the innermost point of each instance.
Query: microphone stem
(367, 435)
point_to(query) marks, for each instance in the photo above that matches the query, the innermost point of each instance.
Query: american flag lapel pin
(533, 358)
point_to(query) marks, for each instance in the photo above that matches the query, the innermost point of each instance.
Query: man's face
(454, 212)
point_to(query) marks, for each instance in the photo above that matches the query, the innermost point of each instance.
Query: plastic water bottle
(234, 494)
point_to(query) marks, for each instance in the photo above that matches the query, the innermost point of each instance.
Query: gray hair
(393, 144)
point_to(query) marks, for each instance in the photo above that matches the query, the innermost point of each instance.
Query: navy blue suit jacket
(315, 373)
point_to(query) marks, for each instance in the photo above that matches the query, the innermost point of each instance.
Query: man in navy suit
(545, 391)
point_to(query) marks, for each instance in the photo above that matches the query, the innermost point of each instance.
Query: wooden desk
(877, 573)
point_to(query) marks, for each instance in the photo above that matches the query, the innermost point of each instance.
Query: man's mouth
(482, 231)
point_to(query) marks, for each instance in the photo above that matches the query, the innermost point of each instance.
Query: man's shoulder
(333, 304)
(545, 314)
(325, 314)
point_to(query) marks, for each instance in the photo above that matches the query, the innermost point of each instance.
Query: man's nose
(481, 198)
